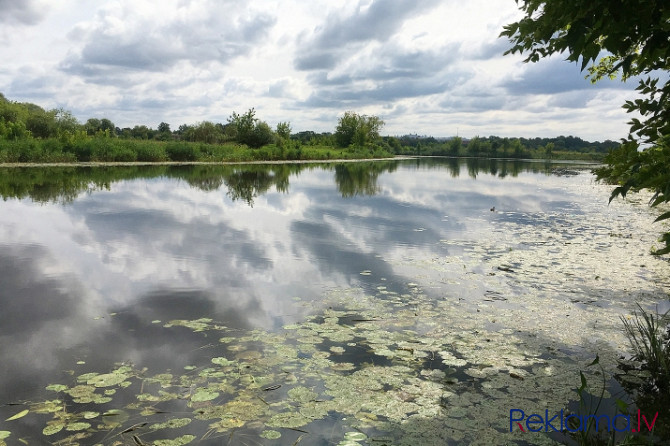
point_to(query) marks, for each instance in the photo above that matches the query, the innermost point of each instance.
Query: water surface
(395, 302)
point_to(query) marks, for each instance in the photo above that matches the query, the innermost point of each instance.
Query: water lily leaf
(107, 380)
(21, 414)
(52, 406)
(171, 424)
(222, 361)
(290, 420)
(227, 424)
(196, 325)
(56, 387)
(180, 441)
(204, 394)
(75, 427)
(355, 436)
(115, 417)
(270, 434)
(302, 394)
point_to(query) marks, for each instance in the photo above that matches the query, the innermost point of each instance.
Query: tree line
(29, 133)
(561, 147)
(32, 134)
(25, 120)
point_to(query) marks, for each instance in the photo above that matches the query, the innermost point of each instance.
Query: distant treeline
(29, 133)
(561, 147)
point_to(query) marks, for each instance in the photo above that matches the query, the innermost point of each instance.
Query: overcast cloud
(27, 12)
(424, 66)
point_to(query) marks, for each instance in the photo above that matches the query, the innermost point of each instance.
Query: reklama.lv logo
(538, 423)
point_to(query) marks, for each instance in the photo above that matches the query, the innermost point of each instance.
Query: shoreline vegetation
(30, 134)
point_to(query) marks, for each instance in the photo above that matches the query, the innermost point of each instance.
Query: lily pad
(223, 361)
(107, 380)
(302, 394)
(79, 426)
(355, 436)
(271, 434)
(180, 441)
(56, 387)
(175, 423)
(290, 420)
(204, 394)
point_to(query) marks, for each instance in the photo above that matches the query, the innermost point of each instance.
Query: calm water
(438, 293)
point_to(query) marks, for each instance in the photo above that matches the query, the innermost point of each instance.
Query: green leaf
(663, 216)
(617, 191)
(583, 386)
(21, 414)
(595, 361)
(622, 405)
(660, 252)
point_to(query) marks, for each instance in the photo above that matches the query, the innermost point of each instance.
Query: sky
(427, 67)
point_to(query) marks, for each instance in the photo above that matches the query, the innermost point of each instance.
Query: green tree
(40, 123)
(358, 130)
(623, 38)
(454, 146)
(92, 125)
(250, 130)
(207, 132)
(107, 126)
(140, 132)
(283, 130)
(163, 127)
(164, 133)
(65, 121)
(474, 146)
(517, 148)
(549, 150)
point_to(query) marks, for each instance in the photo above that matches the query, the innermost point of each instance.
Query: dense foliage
(358, 130)
(250, 130)
(626, 38)
(28, 133)
(561, 147)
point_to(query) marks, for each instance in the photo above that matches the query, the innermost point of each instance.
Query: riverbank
(201, 163)
(108, 149)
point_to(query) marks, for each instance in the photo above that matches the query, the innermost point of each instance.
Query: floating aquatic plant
(421, 363)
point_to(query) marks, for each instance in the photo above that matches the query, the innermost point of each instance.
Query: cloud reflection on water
(83, 280)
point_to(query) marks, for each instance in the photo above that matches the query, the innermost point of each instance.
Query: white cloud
(425, 66)
(24, 12)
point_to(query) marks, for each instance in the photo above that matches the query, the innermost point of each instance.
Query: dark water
(95, 261)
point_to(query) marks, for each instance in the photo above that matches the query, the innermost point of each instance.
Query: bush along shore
(31, 134)
(110, 149)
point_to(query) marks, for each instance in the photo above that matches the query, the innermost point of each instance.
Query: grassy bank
(106, 149)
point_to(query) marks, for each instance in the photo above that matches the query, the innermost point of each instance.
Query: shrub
(178, 151)
(151, 152)
(249, 130)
